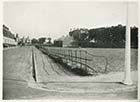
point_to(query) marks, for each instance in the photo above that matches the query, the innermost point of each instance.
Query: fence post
(71, 57)
(75, 57)
(64, 56)
(80, 59)
(67, 55)
(86, 60)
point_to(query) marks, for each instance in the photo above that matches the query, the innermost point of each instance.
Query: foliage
(79, 37)
(49, 40)
(107, 37)
(134, 37)
(34, 41)
(42, 40)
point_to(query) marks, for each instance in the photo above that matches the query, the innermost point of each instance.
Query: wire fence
(78, 58)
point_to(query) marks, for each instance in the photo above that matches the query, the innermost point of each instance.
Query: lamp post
(127, 75)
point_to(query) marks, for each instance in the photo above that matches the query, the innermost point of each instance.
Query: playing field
(115, 57)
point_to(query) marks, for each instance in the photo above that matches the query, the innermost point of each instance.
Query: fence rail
(78, 58)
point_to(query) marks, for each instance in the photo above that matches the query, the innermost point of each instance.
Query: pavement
(54, 82)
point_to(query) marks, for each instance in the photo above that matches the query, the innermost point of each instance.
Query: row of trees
(41, 40)
(110, 37)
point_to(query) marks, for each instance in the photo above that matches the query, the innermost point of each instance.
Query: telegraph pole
(127, 75)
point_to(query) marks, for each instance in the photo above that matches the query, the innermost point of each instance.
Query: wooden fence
(78, 58)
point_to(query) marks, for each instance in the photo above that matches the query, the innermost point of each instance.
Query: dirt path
(17, 63)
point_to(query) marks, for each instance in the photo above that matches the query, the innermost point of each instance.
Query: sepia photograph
(70, 50)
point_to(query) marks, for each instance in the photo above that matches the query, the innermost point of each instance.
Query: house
(9, 39)
(66, 40)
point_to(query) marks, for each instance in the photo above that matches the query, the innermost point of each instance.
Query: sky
(55, 19)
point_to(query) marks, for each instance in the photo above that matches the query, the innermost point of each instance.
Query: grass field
(116, 57)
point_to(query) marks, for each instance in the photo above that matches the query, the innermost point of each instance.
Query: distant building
(58, 43)
(9, 39)
(76, 34)
(66, 41)
(79, 31)
(24, 41)
(48, 42)
(27, 41)
(17, 38)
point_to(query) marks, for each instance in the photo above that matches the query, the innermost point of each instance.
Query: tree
(34, 41)
(42, 40)
(134, 37)
(113, 36)
(49, 40)
(110, 37)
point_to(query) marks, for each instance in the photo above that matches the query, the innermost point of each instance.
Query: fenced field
(116, 57)
(95, 60)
